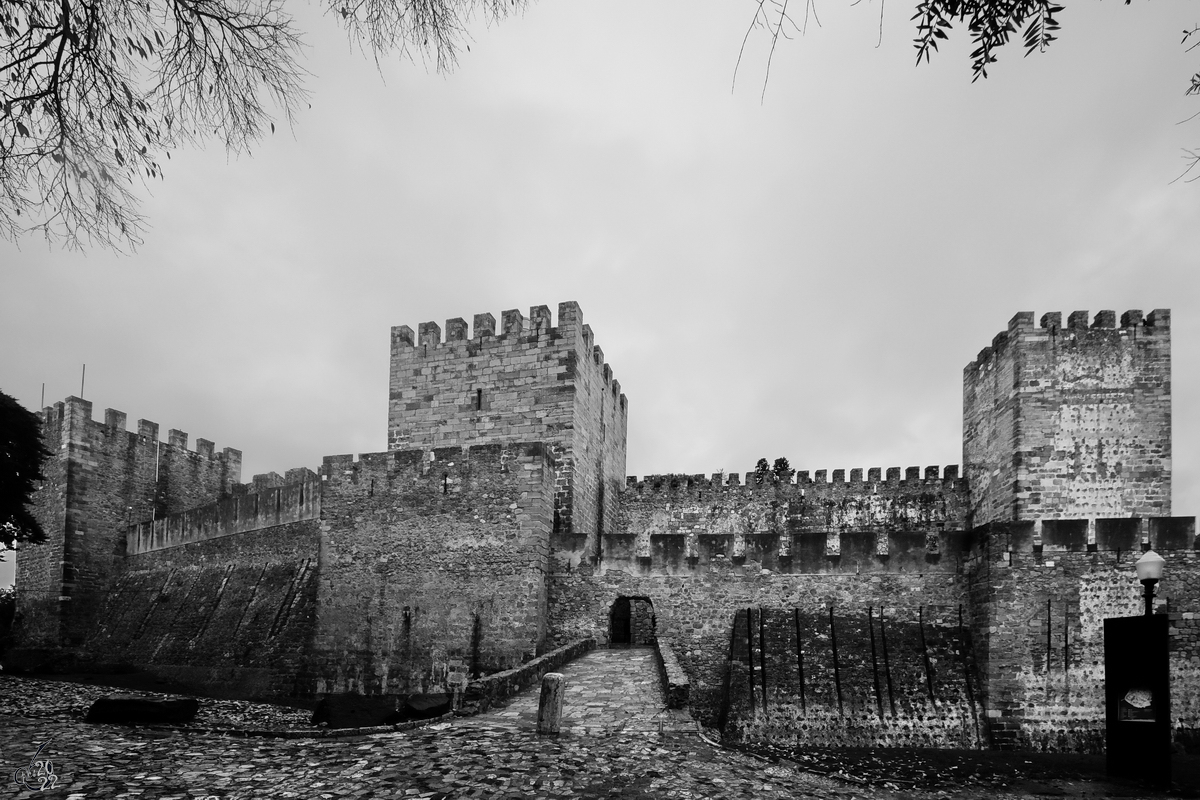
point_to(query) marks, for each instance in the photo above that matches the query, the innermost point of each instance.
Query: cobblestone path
(608, 692)
(612, 748)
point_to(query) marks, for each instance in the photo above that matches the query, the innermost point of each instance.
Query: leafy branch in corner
(94, 92)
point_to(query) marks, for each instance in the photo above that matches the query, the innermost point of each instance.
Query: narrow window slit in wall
(445, 483)
(479, 399)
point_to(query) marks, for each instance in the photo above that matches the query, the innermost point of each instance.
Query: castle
(500, 524)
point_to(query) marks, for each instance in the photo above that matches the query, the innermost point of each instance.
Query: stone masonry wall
(682, 523)
(109, 477)
(1044, 624)
(294, 501)
(231, 615)
(853, 677)
(428, 558)
(1070, 422)
(694, 613)
(40, 572)
(701, 549)
(531, 382)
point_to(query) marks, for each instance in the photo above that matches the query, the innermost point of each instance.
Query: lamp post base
(1149, 595)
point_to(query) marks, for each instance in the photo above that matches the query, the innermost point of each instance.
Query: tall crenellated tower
(1070, 422)
(531, 381)
(100, 478)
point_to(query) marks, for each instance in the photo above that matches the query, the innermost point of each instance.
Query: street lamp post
(1149, 571)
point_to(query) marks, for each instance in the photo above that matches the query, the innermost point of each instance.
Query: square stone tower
(1073, 422)
(531, 381)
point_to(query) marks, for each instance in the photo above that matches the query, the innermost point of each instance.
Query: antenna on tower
(82, 378)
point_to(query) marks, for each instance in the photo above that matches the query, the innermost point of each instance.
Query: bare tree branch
(94, 92)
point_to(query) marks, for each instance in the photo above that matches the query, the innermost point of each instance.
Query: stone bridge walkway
(608, 692)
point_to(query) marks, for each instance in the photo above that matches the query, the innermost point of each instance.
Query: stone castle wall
(428, 558)
(701, 549)
(1042, 602)
(894, 676)
(530, 382)
(967, 610)
(1070, 422)
(105, 477)
(233, 614)
(295, 499)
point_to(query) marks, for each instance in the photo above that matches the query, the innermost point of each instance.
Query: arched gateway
(631, 621)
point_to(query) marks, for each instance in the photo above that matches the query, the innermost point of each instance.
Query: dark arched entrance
(631, 621)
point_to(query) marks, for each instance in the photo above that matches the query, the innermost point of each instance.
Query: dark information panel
(1137, 691)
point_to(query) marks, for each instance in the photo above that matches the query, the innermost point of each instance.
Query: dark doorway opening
(631, 621)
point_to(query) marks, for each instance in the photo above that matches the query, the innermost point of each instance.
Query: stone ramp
(609, 691)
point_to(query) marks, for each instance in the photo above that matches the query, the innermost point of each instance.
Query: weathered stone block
(142, 709)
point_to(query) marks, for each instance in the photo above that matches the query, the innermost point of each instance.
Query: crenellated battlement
(297, 500)
(71, 420)
(875, 476)
(1132, 324)
(513, 324)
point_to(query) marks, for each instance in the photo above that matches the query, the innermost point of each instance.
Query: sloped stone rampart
(231, 615)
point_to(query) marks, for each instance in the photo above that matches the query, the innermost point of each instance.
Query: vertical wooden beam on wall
(874, 660)
(750, 652)
(837, 675)
(800, 660)
(1067, 649)
(887, 666)
(1049, 648)
(724, 716)
(925, 652)
(762, 655)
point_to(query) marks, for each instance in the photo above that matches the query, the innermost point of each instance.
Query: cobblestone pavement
(496, 755)
(608, 692)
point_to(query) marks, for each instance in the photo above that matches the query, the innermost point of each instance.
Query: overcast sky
(805, 276)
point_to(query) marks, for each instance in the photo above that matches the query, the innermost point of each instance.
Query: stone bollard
(554, 687)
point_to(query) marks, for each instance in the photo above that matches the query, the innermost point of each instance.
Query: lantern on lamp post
(1149, 571)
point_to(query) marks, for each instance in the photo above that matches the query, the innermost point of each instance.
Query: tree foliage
(21, 456)
(93, 93)
(783, 470)
(991, 24)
